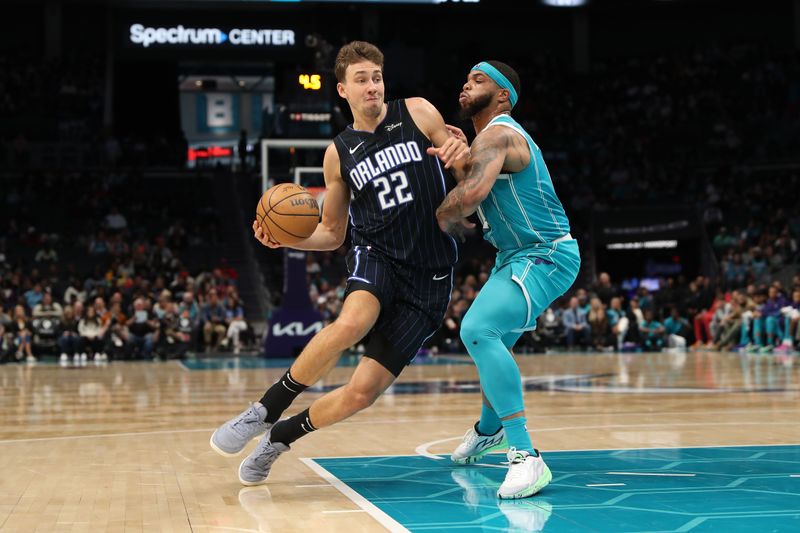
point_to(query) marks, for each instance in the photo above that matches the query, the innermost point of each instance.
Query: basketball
(288, 212)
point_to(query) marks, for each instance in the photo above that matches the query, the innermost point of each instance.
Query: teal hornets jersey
(522, 208)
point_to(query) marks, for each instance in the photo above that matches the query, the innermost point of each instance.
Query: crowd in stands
(111, 317)
(690, 128)
(687, 129)
(680, 315)
(85, 277)
(754, 314)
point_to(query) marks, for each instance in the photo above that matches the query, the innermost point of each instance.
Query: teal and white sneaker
(527, 475)
(255, 468)
(231, 437)
(475, 446)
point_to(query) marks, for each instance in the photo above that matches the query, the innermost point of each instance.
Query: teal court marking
(726, 489)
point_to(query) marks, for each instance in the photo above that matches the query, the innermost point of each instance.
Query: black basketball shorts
(413, 304)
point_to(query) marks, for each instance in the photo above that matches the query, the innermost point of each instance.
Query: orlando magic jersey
(522, 208)
(396, 189)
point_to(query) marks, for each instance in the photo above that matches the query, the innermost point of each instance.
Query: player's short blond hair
(355, 52)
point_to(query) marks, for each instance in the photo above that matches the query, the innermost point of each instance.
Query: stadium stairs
(236, 233)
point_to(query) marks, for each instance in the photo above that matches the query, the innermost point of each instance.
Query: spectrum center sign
(180, 35)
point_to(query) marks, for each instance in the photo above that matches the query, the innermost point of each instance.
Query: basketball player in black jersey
(400, 266)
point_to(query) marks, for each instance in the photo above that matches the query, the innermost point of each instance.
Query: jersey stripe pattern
(396, 188)
(522, 208)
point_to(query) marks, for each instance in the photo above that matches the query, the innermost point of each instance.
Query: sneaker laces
(470, 438)
(516, 463)
(266, 453)
(245, 418)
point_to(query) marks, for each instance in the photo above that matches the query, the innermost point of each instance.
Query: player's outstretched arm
(332, 229)
(449, 147)
(330, 232)
(489, 152)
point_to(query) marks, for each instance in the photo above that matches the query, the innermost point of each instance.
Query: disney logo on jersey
(390, 127)
(383, 161)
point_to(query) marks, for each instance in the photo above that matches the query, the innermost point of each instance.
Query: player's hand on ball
(451, 151)
(263, 237)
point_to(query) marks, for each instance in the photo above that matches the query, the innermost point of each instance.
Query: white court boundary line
(382, 518)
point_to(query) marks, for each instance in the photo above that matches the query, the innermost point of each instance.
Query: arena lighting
(564, 3)
(647, 245)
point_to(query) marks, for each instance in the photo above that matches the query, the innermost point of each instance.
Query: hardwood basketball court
(124, 447)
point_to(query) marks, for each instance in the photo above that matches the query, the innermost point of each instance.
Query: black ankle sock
(280, 396)
(289, 430)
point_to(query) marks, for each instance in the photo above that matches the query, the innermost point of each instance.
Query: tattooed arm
(493, 151)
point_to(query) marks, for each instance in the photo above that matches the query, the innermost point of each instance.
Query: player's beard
(474, 107)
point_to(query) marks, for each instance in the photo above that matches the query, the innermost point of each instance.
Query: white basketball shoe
(475, 446)
(527, 475)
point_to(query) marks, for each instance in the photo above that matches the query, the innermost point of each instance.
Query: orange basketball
(288, 212)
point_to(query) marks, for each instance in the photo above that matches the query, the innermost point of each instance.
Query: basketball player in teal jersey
(537, 261)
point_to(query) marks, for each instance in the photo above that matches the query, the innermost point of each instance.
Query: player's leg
(511, 300)
(359, 313)
(744, 335)
(487, 435)
(758, 328)
(417, 304)
(365, 386)
(501, 307)
(788, 329)
(368, 382)
(773, 328)
(489, 422)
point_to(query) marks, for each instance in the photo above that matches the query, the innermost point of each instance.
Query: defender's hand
(451, 151)
(457, 132)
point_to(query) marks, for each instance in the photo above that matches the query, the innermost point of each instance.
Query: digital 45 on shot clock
(312, 82)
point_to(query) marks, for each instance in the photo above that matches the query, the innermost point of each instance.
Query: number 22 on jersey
(392, 190)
